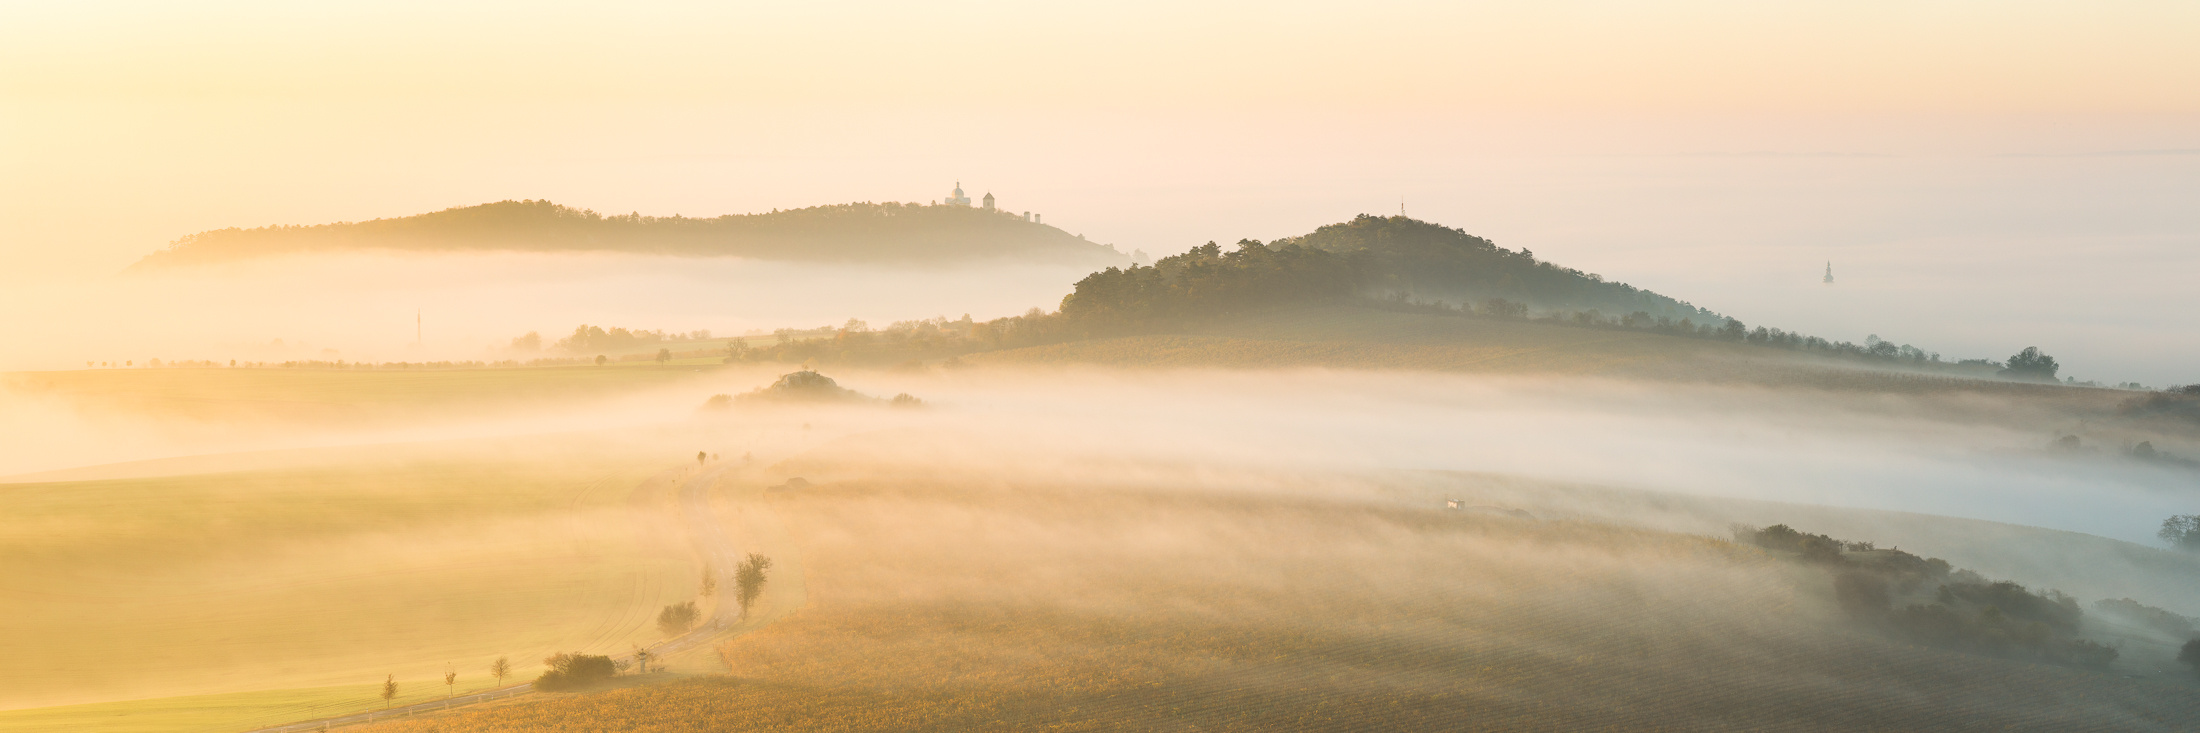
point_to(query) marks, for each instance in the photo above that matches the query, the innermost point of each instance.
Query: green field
(237, 711)
(312, 583)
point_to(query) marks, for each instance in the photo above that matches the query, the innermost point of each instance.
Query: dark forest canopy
(861, 232)
(1370, 256)
(1433, 262)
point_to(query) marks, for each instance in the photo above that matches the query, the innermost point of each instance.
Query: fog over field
(335, 482)
(1951, 455)
(870, 367)
(361, 306)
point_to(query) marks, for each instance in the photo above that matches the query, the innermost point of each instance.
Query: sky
(1983, 176)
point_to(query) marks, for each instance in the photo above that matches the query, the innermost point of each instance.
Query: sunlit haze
(1968, 167)
(471, 367)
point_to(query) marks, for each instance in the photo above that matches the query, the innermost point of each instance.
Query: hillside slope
(1352, 336)
(1433, 261)
(1152, 609)
(888, 232)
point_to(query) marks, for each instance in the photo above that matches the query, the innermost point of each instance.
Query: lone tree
(389, 690)
(676, 618)
(748, 580)
(710, 581)
(2031, 364)
(601, 359)
(664, 356)
(701, 456)
(2181, 532)
(500, 668)
(450, 684)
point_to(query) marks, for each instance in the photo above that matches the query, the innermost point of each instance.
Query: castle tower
(988, 202)
(1829, 272)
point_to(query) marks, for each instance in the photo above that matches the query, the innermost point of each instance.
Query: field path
(707, 528)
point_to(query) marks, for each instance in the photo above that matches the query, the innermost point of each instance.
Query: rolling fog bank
(1954, 454)
(362, 306)
(1296, 512)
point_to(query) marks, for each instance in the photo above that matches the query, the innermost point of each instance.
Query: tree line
(1926, 601)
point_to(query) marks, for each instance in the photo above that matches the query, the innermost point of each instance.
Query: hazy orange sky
(1981, 173)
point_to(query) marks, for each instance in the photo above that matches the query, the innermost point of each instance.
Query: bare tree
(389, 690)
(749, 580)
(450, 683)
(500, 668)
(710, 581)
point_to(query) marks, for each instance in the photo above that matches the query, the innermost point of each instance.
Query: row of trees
(572, 670)
(499, 669)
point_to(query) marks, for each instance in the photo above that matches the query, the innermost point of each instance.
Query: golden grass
(970, 605)
(329, 575)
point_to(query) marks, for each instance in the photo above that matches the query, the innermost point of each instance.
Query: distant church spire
(1829, 272)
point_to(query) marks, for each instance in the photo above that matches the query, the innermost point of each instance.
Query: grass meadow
(291, 592)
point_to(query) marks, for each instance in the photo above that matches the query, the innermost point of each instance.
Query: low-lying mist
(1955, 455)
(361, 306)
(1300, 508)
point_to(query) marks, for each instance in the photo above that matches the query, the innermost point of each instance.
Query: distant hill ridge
(1431, 261)
(857, 232)
(1383, 257)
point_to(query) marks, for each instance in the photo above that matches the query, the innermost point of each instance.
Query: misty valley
(1383, 476)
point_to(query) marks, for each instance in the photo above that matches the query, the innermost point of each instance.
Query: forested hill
(862, 232)
(1392, 258)
(1427, 261)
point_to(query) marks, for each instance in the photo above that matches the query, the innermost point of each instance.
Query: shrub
(677, 618)
(574, 669)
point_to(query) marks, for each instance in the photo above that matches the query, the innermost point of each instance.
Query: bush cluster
(574, 669)
(1946, 607)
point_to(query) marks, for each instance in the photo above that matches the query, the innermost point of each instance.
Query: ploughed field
(954, 600)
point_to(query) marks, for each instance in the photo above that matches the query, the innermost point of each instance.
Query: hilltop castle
(958, 198)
